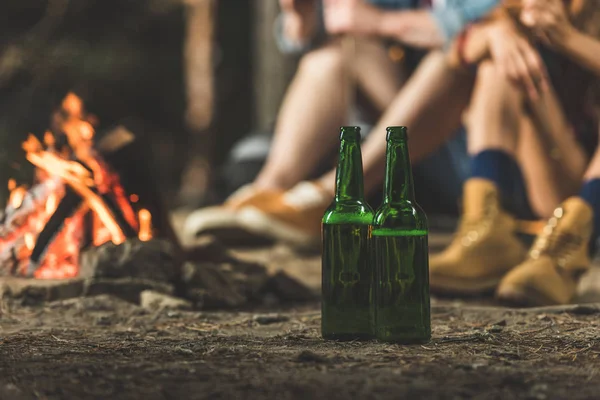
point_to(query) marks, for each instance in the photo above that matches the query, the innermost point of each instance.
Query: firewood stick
(34, 198)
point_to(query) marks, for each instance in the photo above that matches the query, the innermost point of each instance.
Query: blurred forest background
(197, 75)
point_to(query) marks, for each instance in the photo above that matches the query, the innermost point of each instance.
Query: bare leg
(593, 169)
(314, 108)
(494, 117)
(431, 105)
(497, 120)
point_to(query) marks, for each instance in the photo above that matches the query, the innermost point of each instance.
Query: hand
(350, 16)
(516, 58)
(300, 19)
(548, 19)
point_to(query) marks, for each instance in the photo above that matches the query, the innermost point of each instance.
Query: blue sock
(590, 192)
(502, 169)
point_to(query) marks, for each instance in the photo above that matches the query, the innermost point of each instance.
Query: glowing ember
(16, 196)
(45, 228)
(145, 218)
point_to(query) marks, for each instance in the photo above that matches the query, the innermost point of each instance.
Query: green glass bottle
(347, 273)
(402, 310)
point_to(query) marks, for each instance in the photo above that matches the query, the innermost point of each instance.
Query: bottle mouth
(397, 133)
(350, 133)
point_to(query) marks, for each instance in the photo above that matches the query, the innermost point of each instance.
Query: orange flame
(51, 203)
(76, 176)
(31, 212)
(17, 196)
(49, 139)
(73, 105)
(29, 241)
(145, 232)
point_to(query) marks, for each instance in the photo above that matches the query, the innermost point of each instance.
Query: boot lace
(471, 230)
(560, 245)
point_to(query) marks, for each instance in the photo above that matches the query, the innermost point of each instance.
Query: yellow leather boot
(483, 250)
(556, 261)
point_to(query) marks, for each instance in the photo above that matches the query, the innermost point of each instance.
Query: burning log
(126, 150)
(77, 201)
(22, 205)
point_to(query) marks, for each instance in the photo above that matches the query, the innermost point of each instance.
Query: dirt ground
(101, 347)
(105, 348)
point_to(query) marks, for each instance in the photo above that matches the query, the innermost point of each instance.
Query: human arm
(425, 28)
(297, 25)
(549, 20)
(500, 40)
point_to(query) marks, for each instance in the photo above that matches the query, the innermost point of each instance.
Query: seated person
(280, 203)
(533, 134)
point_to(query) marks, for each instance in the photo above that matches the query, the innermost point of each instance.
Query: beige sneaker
(483, 250)
(294, 219)
(556, 261)
(222, 221)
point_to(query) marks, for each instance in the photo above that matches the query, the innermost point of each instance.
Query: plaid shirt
(451, 16)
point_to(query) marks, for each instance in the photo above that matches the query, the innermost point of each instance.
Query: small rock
(183, 350)
(36, 291)
(495, 329)
(104, 320)
(471, 367)
(207, 248)
(151, 260)
(287, 288)
(128, 289)
(266, 319)
(152, 300)
(588, 290)
(208, 287)
(307, 356)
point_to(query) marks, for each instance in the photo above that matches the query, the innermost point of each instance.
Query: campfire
(75, 201)
(92, 222)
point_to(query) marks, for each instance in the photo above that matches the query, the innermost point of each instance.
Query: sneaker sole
(260, 223)
(223, 225)
(209, 218)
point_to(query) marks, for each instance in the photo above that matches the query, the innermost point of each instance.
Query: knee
(496, 94)
(491, 81)
(326, 59)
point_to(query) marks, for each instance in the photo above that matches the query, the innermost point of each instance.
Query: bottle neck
(399, 185)
(349, 175)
